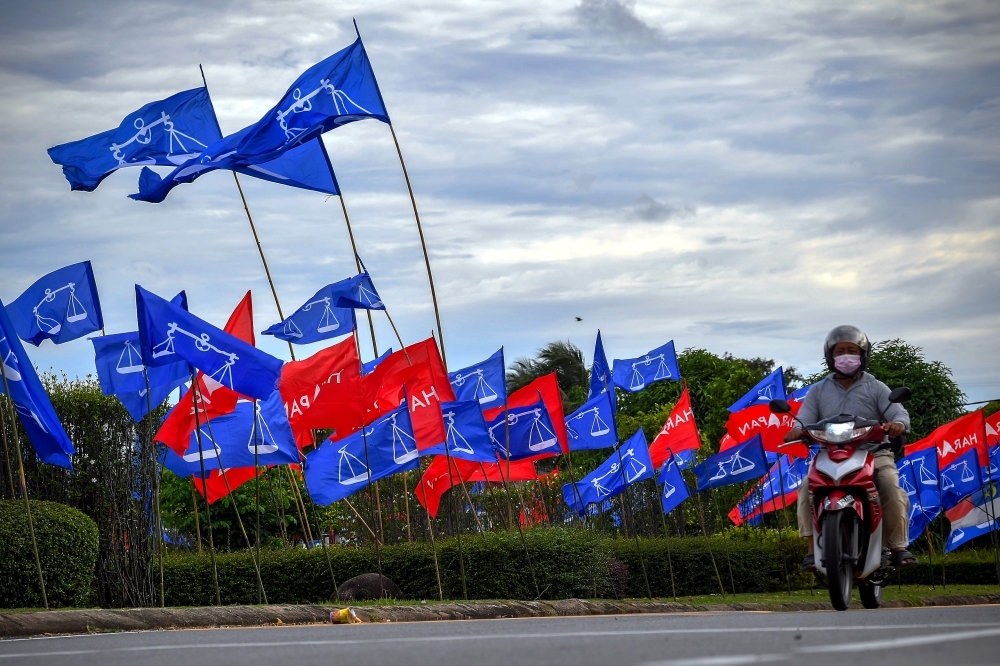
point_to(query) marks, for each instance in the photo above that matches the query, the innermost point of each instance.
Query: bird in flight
(579, 318)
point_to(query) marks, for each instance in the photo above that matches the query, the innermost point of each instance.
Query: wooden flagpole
(208, 507)
(160, 545)
(197, 522)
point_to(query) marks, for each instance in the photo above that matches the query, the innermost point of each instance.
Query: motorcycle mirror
(900, 394)
(781, 406)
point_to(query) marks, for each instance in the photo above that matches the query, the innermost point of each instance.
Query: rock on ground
(366, 587)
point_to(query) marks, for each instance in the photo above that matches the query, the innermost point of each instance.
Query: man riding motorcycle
(848, 389)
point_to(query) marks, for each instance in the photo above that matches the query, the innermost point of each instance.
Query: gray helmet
(847, 333)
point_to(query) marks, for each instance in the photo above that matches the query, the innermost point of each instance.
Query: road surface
(954, 636)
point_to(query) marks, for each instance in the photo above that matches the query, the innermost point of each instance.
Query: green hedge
(67, 547)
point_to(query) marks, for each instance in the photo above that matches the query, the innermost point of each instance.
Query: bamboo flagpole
(208, 507)
(160, 545)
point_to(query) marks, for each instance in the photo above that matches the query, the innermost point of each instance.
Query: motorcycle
(846, 511)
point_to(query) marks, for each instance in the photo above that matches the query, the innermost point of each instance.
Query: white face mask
(848, 364)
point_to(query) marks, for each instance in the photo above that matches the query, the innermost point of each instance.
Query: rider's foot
(903, 558)
(809, 563)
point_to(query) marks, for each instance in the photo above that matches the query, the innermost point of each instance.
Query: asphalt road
(953, 636)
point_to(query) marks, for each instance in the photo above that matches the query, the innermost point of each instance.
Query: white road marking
(504, 636)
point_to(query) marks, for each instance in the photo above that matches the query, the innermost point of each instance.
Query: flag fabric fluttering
(122, 374)
(232, 440)
(34, 409)
(679, 432)
(339, 469)
(317, 319)
(772, 492)
(918, 478)
(369, 366)
(772, 428)
(167, 132)
(218, 486)
(673, 489)
(600, 372)
(524, 433)
(634, 374)
(356, 292)
(743, 462)
(973, 516)
(168, 333)
(331, 93)
(799, 394)
(625, 466)
(437, 479)
(60, 306)
(592, 426)
(466, 436)
(770, 388)
(962, 452)
(484, 382)
(307, 167)
(546, 386)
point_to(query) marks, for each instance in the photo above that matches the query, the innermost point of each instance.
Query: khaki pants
(895, 504)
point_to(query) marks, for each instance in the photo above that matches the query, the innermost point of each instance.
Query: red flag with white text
(679, 433)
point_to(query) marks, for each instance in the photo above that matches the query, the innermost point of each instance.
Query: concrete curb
(19, 625)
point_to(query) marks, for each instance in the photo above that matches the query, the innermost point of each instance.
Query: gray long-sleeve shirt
(866, 398)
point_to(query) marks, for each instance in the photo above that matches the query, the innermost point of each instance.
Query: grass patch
(914, 593)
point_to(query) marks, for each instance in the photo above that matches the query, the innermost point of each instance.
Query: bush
(67, 548)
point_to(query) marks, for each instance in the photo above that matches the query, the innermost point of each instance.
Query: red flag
(679, 433)
(437, 479)
(213, 398)
(772, 428)
(236, 476)
(548, 388)
(727, 442)
(960, 436)
(993, 429)
(323, 391)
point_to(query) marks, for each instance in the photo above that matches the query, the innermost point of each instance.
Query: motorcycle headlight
(818, 435)
(844, 432)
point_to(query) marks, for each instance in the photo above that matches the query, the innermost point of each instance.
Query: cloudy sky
(735, 176)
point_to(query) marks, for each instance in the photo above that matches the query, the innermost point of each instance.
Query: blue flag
(331, 93)
(484, 382)
(60, 306)
(530, 433)
(356, 292)
(369, 367)
(960, 479)
(743, 462)
(600, 371)
(230, 440)
(168, 333)
(592, 425)
(319, 318)
(466, 434)
(770, 388)
(673, 490)
(630, 464)
(167, 132)
(339, 469)
(307, 167)
(634, 374)
(121, 373)
(799, 394)
(32, 403)
(973, 517)
(919, 518)
(685, 459)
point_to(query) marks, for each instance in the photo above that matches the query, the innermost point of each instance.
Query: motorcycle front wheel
(871, 595)
(837, 539)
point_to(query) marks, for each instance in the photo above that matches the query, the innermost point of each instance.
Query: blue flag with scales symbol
(634, 374)
(484, 382)
(673, 489)
(60, 306)
(31, 402)
(918, 478)
(331, 93)
(744, 462)
(525, 433)
(770, 388)
(466, 434)
(319, 318)
(167, 132)
(339, 469)
(168, 333)
(592, 426)
(122, 373)
(630, 464)
(232, 440)
(960, 478)
(600, 371)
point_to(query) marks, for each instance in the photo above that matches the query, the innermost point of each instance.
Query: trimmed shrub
(67, 548)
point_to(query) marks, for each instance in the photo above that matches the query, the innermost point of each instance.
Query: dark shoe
(903, 558)
(809, 563)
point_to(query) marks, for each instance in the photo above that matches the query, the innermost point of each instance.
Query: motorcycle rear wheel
(871, 595)
(839, 570)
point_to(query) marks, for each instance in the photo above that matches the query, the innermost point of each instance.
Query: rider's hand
(894, 429)
(793, 434)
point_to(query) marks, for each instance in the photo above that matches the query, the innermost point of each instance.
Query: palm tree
(563, 358)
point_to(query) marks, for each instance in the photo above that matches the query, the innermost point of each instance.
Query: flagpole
(708, 541)
(160, 546)
(517, 521)
(322, 543)
(6, 457)
(24, 485)
(197, 523)
(781, 536)
(357, 258)
(208, 507)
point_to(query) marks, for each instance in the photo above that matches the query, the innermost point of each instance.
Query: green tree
(561, 357)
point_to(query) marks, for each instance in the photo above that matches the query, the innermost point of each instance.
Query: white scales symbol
(634, 468)
(484, 392)
(304, 104)
(540, 436)
(214, 452)
(145, 134)
(202, 344)
(267, 444)
(597, 425)
(926, 477)
(668, 488)
(401, 452)
(351, 462)
(737, 465)
(327, 322)
(766, 393)
(365, 295)
(904, 483)
(453, 436)
(638, 382)
(9, 364)
(74, 310)
(130, 360)
(21, 409)
(966, 477)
